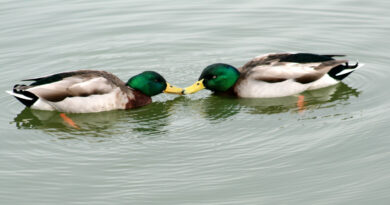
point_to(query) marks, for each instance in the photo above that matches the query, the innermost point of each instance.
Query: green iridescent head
(151, 83)
(217, 77)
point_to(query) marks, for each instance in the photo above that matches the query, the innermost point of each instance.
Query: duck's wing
(59, 86)
(300, 67)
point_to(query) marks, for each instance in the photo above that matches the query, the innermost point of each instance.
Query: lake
(197, 149)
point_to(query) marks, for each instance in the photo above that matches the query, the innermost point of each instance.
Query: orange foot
(301, 103)
(69, 121)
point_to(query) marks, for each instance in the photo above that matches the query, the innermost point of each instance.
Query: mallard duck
(273, 75)
(86, 91)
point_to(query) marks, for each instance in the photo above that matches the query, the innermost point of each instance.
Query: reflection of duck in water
(274, 75)
(149, 120)
(87, 91)
(217, 108)
(313, 99)
(32, 119)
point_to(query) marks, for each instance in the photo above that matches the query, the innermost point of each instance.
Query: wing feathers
(72, 87)
(94, 86)
(300, 67)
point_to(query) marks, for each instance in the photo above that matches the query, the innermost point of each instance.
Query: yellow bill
(173, 90)
(194, 88)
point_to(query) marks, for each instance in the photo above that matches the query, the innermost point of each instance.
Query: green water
(198, 149)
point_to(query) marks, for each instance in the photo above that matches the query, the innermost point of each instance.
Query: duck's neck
(138, 100)
(229, 92)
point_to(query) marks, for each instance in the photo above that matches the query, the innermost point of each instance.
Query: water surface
(198, 149)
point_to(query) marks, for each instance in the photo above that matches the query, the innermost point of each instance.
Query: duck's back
(283, 74)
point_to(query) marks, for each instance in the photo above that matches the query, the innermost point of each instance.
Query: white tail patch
(345, 71)
(18, 95)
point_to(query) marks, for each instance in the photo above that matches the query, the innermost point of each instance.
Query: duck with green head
(86, 91)
(273, 75)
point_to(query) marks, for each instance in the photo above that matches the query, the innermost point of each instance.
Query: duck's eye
(214, 77)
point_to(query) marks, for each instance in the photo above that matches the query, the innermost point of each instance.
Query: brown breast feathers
(139, 100)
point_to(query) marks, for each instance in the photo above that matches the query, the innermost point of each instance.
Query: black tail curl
(351, 66)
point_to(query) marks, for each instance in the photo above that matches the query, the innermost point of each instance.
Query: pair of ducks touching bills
(267, 76)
